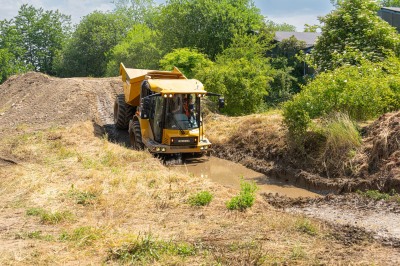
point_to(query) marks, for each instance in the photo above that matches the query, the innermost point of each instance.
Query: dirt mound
(37, 101)
(380, 155)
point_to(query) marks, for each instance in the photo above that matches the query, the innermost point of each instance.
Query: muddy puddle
(229, 174)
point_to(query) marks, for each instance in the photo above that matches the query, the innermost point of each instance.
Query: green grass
(245, 199)
(377, 195)
(83, 236)
(146, 249)
(202, 198)
(342, 141)
(305, 226)
(83, 197)
(35, 235)
(298, 253)
(47, 217)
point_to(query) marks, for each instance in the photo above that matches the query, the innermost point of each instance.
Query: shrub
(245, 199)
(242, 74)
(362, 92)
(200, 199)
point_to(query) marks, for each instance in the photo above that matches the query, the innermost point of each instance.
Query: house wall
(392, 17)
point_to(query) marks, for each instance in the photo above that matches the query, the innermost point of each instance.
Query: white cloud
(75, 8)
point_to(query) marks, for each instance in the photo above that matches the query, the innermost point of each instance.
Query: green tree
(85, 53)
(289, 70)
(352, 33)
(390, 3)
(136, 11)
(34, 36)
(187, 60)
(241, 73)
(138, 50)
(272, 26)
(9, 65)
(311, 28)
(208, 26)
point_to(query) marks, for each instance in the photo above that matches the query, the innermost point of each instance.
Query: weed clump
(342, 140)
(245, 199)
(305, 226)
(202, 198)
(47, 217)
(83, 197)
(377, 195)
(83, 236)
(146, 249)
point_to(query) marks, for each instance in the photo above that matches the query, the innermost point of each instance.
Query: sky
(294, 12)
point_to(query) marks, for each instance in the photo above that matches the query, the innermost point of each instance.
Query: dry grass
(118, 197)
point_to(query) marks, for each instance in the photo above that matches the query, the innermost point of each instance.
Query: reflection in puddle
(229, 174)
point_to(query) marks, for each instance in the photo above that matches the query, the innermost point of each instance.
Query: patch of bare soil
(357, 217)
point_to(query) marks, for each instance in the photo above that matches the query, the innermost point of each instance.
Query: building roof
(395, 9)
(309, 38)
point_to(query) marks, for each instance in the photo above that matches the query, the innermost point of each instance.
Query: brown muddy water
(229, 174)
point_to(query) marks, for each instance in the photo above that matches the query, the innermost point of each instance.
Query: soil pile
(37, 101)
(380, 155)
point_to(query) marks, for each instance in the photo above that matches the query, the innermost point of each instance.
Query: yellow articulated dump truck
(162, 111)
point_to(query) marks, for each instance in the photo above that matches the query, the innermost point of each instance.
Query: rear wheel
(135, 135)
(123, 112)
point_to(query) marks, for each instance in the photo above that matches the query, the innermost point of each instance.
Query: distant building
(309, 38)
(391, 15)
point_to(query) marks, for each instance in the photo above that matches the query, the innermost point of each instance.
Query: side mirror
(145, 108)
(221, 103)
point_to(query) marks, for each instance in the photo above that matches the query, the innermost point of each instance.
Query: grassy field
(76, 198)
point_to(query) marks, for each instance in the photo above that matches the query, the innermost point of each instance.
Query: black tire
(123, 112)
(135, 135)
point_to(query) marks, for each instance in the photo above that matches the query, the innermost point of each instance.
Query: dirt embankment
(35, 101)
(259, 142)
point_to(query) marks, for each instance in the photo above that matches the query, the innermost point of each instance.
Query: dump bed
(160, 81)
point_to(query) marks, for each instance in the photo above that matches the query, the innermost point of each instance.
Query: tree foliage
(362, 92)
(289, 70)
(208, 26)
(31, 40)
(138, 50)
(85, 53)
(10, 65)
(352, 33)
(390, 3)
(273, 26)
(241, 73)
(186, 59)
(136, 11)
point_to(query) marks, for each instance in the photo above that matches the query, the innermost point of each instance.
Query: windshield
(183, 112)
